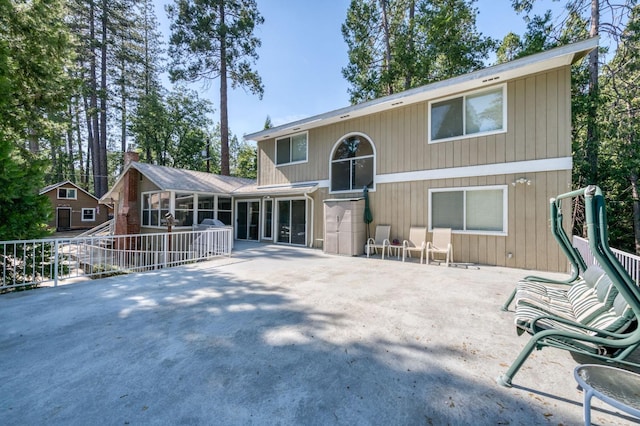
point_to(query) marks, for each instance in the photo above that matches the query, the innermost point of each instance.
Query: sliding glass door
(292, 222)
(248, 217)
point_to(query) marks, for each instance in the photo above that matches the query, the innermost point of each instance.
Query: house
(74, 208)
(481, 153)
(144, 193)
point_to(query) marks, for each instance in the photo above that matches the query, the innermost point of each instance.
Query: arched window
(352, 164)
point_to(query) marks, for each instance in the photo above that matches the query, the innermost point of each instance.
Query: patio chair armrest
(386, 242)
(370, 241)
(535, 328)
(405, 244)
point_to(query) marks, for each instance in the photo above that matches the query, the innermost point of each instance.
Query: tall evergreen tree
(213, 39)
(34, 52)
(620, 147)
(395, 45)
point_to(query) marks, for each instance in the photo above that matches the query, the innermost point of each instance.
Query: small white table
(618, 388)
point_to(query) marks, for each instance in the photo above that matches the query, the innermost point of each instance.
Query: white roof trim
(494, 169)
(66, 182)
(560, 56)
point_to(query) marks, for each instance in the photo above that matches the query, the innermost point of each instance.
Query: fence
(31, 263)
(629, 261)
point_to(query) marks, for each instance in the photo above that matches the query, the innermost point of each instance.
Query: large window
(206, 207)
(352, 164)
(292, 149)
(476, 113)
(224, 210)
(475, 210)
(184, 209)
(155, 205)
(188, 208)
(67, 194)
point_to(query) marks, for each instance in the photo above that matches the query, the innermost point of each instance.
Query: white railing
(30, 263)
(630, 262)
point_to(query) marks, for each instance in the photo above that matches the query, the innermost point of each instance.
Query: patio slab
(281, 335)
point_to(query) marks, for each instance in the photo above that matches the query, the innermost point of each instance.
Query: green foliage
(620, 141)
(34, 52)
(28, 263)
(172, 130)
(394, 45)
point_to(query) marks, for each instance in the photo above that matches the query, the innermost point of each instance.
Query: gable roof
(66, 182)
(554, 58)
(172, 179)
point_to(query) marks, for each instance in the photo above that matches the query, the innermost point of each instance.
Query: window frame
(464, 96)
(465, 189)
(372, 156)
(93, 214)
(290, 137)
(66, 197)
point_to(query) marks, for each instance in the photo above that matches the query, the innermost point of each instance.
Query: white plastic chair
(440, 244)
(381, 240)
(416, 242)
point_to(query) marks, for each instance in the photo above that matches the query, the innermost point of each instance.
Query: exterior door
(247, 220)
(64, 219)
(292, 222)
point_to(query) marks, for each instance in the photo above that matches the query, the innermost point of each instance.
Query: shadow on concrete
(199, 345)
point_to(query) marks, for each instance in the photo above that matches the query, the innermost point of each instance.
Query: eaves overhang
(528, 65)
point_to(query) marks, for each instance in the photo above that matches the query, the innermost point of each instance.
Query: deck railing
(30, 263)
(630, 262)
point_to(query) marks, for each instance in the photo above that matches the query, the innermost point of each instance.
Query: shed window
(88, 215)
(352, 164)
(474, 210)
(67, 194)
(481, 112)
(292, 149)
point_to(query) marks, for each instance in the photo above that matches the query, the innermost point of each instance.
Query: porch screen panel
(206, 207)
(184, 209)
(447, 209)
(224, 210)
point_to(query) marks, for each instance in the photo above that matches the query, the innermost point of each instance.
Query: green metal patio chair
(611, 335)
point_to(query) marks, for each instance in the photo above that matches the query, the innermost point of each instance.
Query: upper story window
(67, 194)
(473, 114)
(291, 149)
(352, 164)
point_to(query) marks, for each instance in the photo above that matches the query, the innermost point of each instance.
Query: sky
(303, 53)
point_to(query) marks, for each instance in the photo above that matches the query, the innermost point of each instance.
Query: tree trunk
(76, 107)
(387, 46)
(411, 44)
(591, 145)
(70, 165)
(123, 110)
(224, 118)
(93, 111)
(102, 153)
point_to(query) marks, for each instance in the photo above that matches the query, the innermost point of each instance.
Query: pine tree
(213, 39)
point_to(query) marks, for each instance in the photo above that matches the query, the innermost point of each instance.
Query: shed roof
(66, 182)
(553, 58)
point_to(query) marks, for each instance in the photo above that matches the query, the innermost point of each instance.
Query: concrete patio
(281, 335)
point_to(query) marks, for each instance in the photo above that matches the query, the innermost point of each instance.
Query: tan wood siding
(528, 239)
(538, 127)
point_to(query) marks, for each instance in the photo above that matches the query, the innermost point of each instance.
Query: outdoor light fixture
(521, 181)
